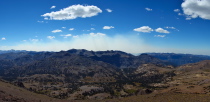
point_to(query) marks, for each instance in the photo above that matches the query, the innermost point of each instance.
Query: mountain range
(82, 74)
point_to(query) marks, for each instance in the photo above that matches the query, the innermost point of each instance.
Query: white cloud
(161, 30)
(56, 31)
(52, 7)
(145, 29)
(64, 27)
(108, 27)
(196, 8)
(46, 18)
(51, 37)
(71, 29)
(3, 38)
(108, 10)
(97, 34)
(76, 36)
(66, 36)
(73, 12)
(176, 10)
(188, 18)
(92, 28)
(40, 21)
(161, 36)
(34, 40)
(170, 27)
(148, 9)
(180, 14)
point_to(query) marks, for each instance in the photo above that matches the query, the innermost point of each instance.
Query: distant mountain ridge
(180, 59)
(72, 62)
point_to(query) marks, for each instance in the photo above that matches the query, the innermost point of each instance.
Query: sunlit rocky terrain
(82, 75)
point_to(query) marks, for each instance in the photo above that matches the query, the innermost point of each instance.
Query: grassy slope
(9, 90)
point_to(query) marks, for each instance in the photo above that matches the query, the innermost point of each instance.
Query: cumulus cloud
(176, 10)
(148, 9)
(161, 30)
(161, 36)
(3, 38)
(66, 36)
(108, 27)
(196, 8)
(64, 27)
(145, 29)
(51, 37)
(73, 12)
(71, 29)
(108, 10)
(56, 31)
(52, 7)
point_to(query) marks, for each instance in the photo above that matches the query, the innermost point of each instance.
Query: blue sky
(133, 26)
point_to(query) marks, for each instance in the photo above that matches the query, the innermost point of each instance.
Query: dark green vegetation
(81, 74)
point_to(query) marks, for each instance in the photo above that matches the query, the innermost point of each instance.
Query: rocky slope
(81, 74)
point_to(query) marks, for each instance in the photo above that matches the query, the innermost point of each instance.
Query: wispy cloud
(66, 36)
(97, 34)
(52, 7)
(167, 27)
(71, 29)
(170, 27)
(56, 31)
(73, 12)
(51, 37)
(76, 36)
(3, 38)
(161, 36)
(108, 10)
(108, 27)
(34, 40)
(176, 10)
(148, 9)
(92, 29)
(40, 21)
